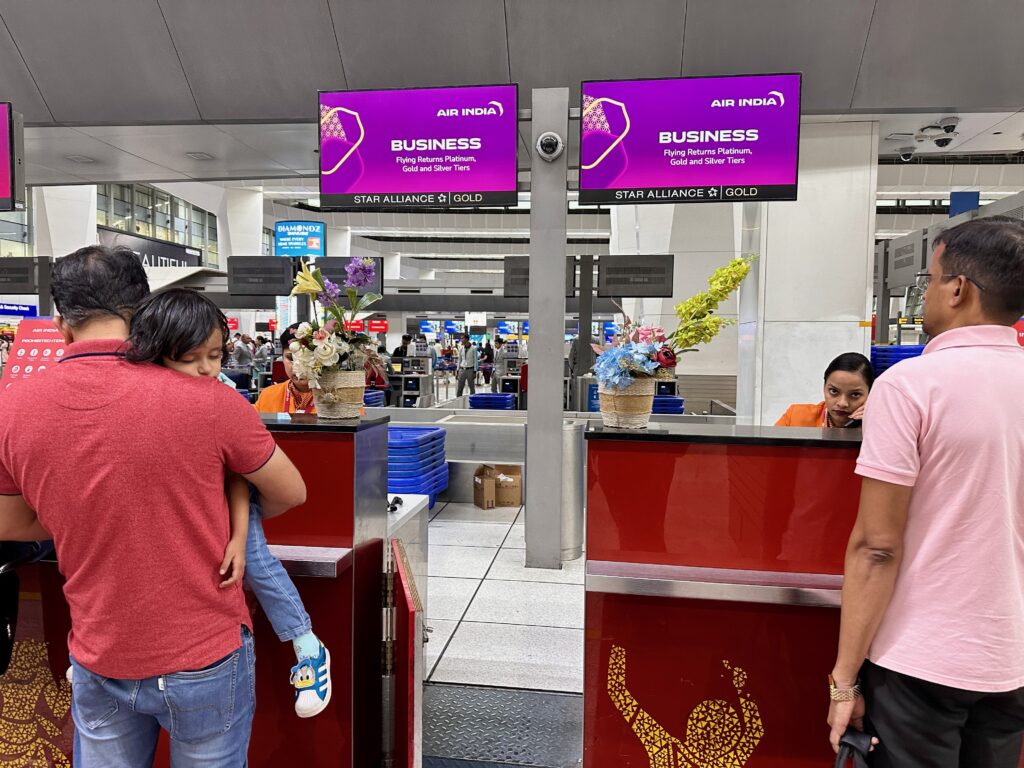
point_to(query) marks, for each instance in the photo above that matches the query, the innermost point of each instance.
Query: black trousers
(925, 725)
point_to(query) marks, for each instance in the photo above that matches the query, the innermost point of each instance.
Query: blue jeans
(269, 581)
(207, 712)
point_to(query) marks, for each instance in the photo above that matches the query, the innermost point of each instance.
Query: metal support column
(882, 294)
(44, 265)
(585, 357)
(547, 325)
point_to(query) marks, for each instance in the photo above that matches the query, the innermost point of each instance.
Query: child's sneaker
(312, 681)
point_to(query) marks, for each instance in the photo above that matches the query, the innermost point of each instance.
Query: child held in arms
(186, 332)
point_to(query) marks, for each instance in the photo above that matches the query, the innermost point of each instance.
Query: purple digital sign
(690, 140)
(433, 147)
(6, 157)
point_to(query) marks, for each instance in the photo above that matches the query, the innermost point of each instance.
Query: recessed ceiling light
(199, 155)
(80, 159)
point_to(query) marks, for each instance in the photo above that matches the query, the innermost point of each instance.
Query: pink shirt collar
(974, 336)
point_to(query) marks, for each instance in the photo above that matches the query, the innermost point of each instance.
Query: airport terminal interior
(505, 197)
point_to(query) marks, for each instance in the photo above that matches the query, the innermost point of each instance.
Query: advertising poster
(6, 184)
(300, 238)
(37, 346)
(690, 140)
(443, 147)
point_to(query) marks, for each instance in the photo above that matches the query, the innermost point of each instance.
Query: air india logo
(717, 736)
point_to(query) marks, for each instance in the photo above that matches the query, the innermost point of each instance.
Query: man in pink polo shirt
(932, 638)
(124, 464)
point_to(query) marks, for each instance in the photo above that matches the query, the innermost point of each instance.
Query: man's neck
(113, 329)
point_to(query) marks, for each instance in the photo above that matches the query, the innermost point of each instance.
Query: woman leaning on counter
(848, 381)
(291, 396)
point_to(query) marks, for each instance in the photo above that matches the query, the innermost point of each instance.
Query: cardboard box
(508, 485)
(484, 488)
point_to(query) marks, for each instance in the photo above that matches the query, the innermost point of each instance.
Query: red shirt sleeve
(892, 428)
(245, 443)
(7, 485)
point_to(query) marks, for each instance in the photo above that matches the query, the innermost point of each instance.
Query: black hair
(172, 322)
(853, 362)
(382, 350)
(288, 335)
(97, 281)
(990, 251)
(406, 338)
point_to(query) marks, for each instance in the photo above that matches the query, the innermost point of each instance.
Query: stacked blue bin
(416, 461)
(498, 401)
(669, 404)
(883, 358)
(373, 398)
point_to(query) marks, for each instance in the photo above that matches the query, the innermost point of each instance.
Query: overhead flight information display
(690, 140)
(422, 147)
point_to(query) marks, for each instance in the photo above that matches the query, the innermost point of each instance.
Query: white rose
(295, 347)
(325, 350)
(304, 330)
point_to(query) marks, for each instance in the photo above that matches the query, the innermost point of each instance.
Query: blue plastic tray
(413, 437)
(419, 468)
(409, 456)
(424, 483)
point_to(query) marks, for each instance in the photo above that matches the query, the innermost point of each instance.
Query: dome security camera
(948, 124)
(906, 153)
(550, 146)
(944, 141)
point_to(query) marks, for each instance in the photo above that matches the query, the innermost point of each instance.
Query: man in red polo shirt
(124, 466)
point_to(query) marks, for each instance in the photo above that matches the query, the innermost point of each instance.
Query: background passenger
(292, 396)
(848, 380)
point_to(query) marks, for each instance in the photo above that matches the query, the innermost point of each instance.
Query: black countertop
(307, 422)
(796, 437)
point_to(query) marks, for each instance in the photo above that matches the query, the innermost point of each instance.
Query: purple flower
(361, 272)
(330, 294)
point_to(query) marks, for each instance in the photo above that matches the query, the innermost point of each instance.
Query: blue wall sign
(593, 398)
(451, 326)
(300, 238)
(429, 326)
(526, 328)
(18, 310)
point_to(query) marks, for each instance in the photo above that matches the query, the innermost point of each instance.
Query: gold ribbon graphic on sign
(715, 736)
(618, 139)
(362, 132)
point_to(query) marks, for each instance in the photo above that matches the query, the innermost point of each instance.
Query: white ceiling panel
(168, 146)
(554, 44)
(293, 146)
(16, 85)
(926, 53)
(256, 59)
(823, 39)
(108, 62)
(1002, 136)
(51, 148)
(401, 43)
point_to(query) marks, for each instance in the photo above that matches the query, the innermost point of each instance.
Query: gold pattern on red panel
(33, 707)
(717, 736)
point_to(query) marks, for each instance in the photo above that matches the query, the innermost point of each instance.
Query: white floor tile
(449, 597)
(510, 566)
(516, 537)
(459, 562)
(471, 513)
(442, 633)
(524, 602)
(506, 655)
(466, 534)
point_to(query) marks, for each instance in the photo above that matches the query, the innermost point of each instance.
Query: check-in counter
(713, 580)
(334, 548)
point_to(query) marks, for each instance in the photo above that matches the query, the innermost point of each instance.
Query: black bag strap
(854, 746)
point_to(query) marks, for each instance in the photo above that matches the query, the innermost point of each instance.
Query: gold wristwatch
(842, 694)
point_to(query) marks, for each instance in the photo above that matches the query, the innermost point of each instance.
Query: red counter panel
(328, 466)
(750, 507)
(677, 683)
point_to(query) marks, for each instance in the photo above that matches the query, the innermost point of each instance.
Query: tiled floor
(494, 621)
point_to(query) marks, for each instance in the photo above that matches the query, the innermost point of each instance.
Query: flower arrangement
(324, 345)
(641, 350)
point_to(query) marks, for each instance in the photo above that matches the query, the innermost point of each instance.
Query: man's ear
(65, 330)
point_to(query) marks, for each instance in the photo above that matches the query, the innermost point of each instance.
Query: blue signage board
(526, 328)
(506, 328)
(300, 238)
(18, 310)
(451, 326)
(593, 397)
(429, 326)
(610, 329)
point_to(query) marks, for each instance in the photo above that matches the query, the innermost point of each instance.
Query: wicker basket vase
(628, 408)
(340, 394)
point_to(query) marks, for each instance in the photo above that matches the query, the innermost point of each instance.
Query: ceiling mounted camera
(550, 146)
(906, 153)
(949, 124)
(944, 141)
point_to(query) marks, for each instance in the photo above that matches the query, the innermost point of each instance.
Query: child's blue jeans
(269, 581)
